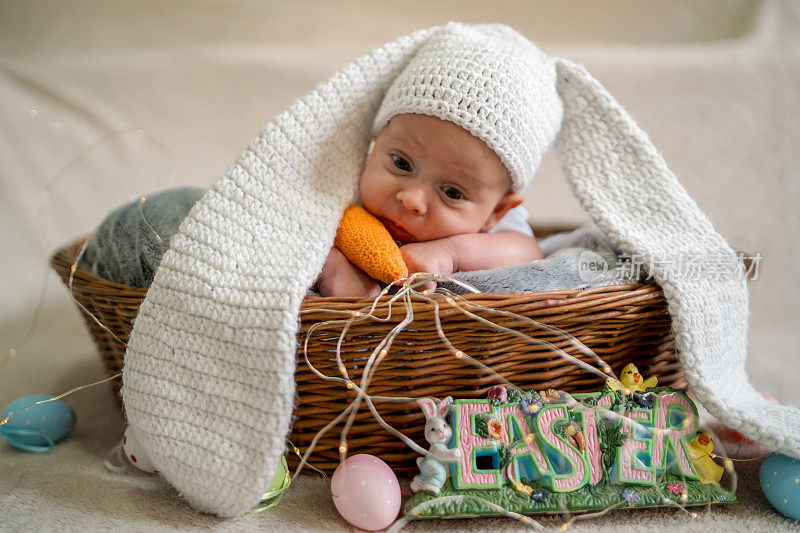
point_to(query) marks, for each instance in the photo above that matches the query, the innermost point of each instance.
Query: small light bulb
(425, 292)
(627, 392)
(528, 438)
(459, 354)
(607, 369)
(383, 352)
(356, 314)
(564, 526)
(32, 113)
(694, 515)
(143, 199)
(343, 448)
(349, 385)
(73, 268)
(12, 352)
(684, 497)
(342, 369)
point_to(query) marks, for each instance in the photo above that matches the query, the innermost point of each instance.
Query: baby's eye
(452, 193)
(401, 163)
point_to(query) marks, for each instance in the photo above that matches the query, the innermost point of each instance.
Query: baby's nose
(413, 199)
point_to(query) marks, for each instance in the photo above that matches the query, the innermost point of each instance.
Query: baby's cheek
(372, 189)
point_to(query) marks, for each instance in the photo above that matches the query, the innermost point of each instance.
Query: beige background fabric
(134, 97)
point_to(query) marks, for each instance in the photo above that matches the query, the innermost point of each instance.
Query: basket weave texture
(622, 324)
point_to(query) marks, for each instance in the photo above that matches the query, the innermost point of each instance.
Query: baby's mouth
(397, 233)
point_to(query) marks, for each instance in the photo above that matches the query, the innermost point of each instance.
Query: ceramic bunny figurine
(432, 470)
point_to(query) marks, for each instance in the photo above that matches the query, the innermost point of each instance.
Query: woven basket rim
(64, 257)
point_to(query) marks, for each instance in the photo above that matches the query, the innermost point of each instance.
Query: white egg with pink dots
(136, 454)
(366, 492)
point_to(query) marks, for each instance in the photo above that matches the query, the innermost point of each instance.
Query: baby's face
(428, 178)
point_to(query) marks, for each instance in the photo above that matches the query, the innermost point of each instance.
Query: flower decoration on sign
(498, 392)
(675, 488)
(631, 496)
(529, 406)
(495, 428)
(551, 396)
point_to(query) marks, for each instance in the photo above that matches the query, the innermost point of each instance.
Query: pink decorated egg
(366, 492)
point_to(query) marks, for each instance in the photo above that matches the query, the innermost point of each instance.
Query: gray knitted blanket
(128, 245)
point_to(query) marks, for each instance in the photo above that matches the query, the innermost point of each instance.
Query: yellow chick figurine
(632, 380)
(700, 449)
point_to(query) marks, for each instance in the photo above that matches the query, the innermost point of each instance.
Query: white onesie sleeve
(515, 220)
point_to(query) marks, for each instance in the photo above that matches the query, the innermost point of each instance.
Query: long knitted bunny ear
(627, 189)
(208, 382)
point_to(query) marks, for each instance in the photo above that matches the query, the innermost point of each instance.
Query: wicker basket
(622, 324)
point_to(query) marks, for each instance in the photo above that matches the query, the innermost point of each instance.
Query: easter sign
(532, 452)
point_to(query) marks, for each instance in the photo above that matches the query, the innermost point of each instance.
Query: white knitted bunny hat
(208, 382)
(491, 81)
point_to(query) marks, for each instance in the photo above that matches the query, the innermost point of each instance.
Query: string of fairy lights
(107, 138)
(407, 292)
(111, 136)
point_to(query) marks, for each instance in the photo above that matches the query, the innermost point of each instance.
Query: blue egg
(780, 481)
(36, 428)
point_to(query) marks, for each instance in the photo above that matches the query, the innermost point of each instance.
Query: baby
(438, 189)
(458, 135)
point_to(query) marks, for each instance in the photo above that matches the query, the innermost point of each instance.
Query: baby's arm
(471, 251)
(339, 277)
(459, 253)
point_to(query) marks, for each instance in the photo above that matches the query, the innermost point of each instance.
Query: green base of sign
(587, 498)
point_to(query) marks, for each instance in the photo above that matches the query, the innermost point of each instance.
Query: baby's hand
(430, 256)
(339, 277)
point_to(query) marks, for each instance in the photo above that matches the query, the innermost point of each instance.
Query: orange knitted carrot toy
(367, 244)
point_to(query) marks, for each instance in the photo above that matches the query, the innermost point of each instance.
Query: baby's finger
(429, 286)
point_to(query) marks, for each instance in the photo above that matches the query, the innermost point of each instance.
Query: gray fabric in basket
(128, 245)
(580, 259)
